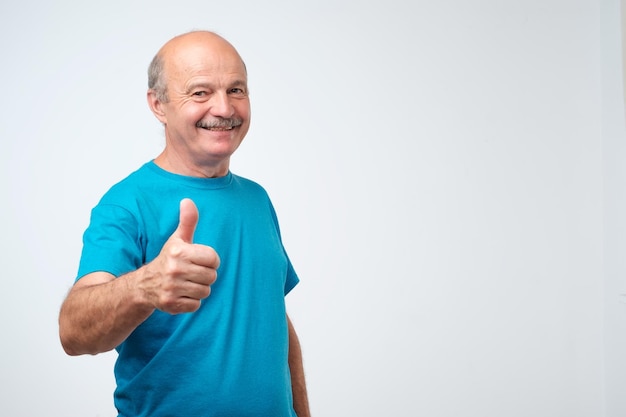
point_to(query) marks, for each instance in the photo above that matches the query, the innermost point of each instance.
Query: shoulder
(248, 185)
(130, 186)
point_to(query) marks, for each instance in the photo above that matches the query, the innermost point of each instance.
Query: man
(183, 271)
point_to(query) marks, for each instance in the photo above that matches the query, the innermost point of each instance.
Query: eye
(200, 93)
(237, 91)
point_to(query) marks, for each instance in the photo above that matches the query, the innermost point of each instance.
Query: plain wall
(448, 176)
(614, 157)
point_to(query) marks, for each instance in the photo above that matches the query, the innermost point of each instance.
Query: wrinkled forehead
(205, 54)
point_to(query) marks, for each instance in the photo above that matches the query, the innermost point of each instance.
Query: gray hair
(156, 78)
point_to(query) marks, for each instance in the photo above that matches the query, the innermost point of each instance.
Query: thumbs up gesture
(182, 274)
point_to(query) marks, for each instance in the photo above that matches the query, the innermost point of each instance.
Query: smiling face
(206, 112)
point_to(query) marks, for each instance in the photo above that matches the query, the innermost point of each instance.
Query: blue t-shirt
(229, 358)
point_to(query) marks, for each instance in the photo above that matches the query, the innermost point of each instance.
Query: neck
(189, 168)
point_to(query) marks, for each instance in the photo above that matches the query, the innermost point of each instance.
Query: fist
(180, 277)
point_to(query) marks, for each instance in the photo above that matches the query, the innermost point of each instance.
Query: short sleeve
(111, 243)
(292, 278)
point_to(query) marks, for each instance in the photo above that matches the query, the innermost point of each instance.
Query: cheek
(243, 109)
(192, 113)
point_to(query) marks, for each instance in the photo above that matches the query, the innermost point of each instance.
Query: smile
(220, 125)
(217, 129)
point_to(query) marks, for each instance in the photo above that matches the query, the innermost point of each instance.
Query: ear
(156, 106)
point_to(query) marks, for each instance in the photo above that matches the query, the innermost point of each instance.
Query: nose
(221, 105)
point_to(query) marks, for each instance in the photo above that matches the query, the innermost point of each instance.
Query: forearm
(99, 314)
(298, 383)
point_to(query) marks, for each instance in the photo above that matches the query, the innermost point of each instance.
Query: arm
(298, 384)
(101, 311)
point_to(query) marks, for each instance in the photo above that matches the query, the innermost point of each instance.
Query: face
(208, 111)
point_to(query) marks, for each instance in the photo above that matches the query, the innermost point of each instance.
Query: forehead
(211, 59)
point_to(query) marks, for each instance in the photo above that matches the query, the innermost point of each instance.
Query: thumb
(188, 219)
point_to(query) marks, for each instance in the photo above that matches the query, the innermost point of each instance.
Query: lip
(219, 129)
(219, 133)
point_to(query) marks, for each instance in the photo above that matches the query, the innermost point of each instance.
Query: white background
(449, 176)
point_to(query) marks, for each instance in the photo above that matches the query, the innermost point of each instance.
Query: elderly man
(183, 270)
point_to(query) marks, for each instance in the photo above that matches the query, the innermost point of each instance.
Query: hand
(181, 275)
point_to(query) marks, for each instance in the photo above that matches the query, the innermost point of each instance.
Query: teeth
(226, 124)
(218, 128)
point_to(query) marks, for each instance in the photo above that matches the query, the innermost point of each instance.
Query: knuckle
(168, 303)
(206, 291)
(212, 276)
(173, 249)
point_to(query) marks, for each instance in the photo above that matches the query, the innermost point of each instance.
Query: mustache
(220, 123)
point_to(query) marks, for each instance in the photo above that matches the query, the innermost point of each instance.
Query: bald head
(182, 50)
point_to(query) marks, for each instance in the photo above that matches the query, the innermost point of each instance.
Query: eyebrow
(202, 84)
